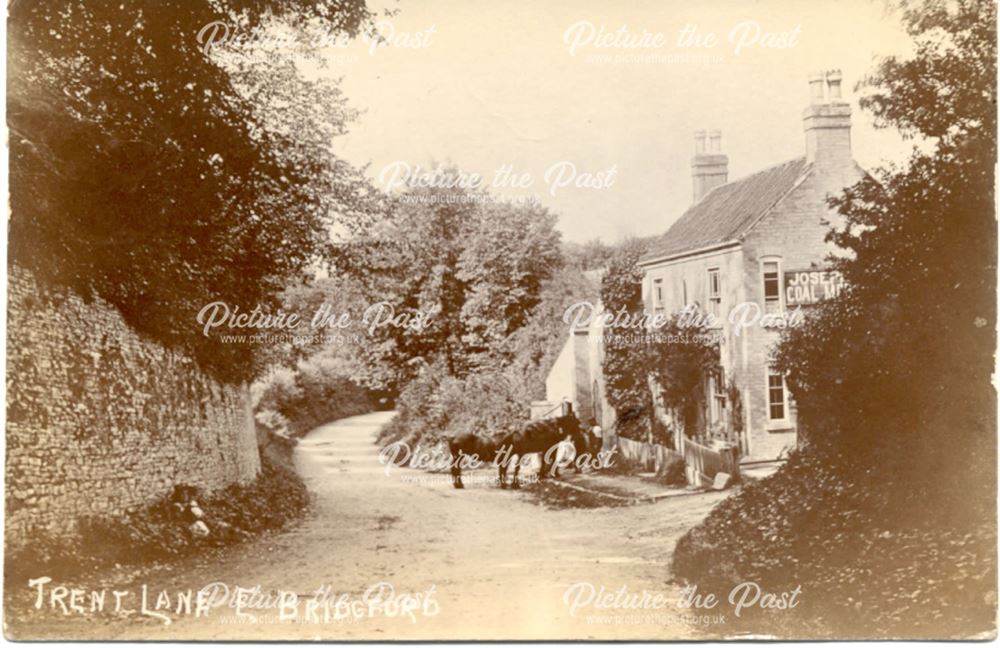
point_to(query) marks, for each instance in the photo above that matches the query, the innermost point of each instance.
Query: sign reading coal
(805, 287)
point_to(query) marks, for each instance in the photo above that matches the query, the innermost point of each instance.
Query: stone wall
(101, 421)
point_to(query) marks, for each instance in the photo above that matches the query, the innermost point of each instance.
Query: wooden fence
(705, 463)
(652, 456)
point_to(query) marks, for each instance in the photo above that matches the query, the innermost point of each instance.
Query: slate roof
(727, 212)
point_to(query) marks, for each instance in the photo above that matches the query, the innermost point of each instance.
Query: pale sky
(489, 84)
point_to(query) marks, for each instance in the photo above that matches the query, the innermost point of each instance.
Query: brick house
(749, 247)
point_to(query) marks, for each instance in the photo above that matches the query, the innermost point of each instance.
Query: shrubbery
(436, 406)
(293, 402)
(874, 556)
(493, 397)
(624, 365)
(680, 358)
(887, 516)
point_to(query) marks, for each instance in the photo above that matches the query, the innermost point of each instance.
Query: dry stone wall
(101, 421)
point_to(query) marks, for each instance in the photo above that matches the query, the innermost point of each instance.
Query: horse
(470, 445)
(539, 437)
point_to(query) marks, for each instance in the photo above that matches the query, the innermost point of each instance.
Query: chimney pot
(715, 141)
(709, 167)
(833, 79)
(817, 82)
(699, 142)
(827, 124)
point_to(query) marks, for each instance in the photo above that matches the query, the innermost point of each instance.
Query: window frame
(779, 302)
(719, 387)
(772, 422)
(714, 292)
(657, 294)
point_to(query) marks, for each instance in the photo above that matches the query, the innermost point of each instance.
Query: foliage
(677, 355)
(144, 170)
(625, 364)
(437, 405)
(293, 402)
(907, 350)
(331, 313)
(682, 356)
(491, 400)
(875, 558)
(888, 515)
(468, 266)
(591, 255)
(511, 251)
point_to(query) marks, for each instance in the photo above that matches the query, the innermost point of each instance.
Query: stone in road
(491, 563)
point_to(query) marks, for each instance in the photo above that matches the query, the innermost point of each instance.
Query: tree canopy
(906, 353)
(470, 267)
(160, 176)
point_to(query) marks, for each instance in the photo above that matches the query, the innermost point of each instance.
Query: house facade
(751, 248)
(576, 376)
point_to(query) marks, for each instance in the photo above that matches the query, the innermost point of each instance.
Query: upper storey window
(772, 286)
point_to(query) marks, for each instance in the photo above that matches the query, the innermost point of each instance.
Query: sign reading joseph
(805, 287)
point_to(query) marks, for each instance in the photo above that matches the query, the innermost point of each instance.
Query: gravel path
(479, 563)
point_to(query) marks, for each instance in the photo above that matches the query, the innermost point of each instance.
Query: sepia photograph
(521, 321)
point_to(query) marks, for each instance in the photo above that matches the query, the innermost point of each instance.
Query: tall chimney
(709, 167)
(827, 121)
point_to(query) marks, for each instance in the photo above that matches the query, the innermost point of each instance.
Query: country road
(479, 563)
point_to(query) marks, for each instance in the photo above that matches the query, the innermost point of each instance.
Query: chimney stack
(709, 167)
(827, 121)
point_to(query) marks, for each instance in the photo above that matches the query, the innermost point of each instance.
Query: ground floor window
(775, 396)
(719, 388)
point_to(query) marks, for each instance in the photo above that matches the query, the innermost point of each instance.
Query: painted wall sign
(805, 287)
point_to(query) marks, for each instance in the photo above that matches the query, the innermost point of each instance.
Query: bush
(680, 358)
(293, 402)
(436, 405)
(875, 554)
(673, 473)
(624, 365)
(636, 424)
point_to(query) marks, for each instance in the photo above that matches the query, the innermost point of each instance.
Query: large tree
(469, 267)
(162, 175)
(904, 356)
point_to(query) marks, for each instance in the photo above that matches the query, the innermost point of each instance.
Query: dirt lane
(488, 563)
